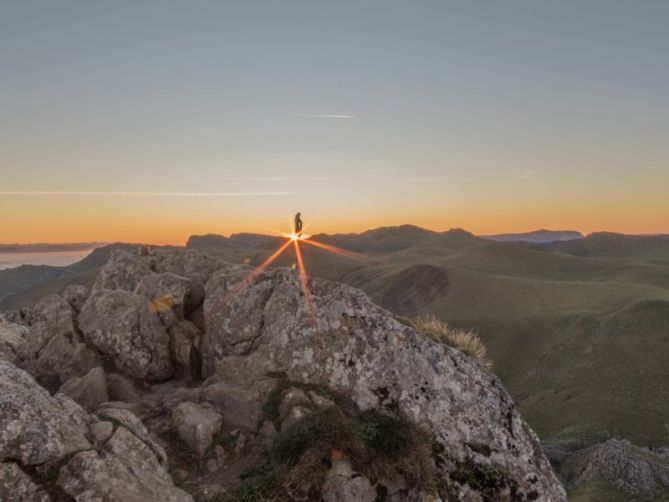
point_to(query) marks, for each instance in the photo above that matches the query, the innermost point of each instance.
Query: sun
(296, 237)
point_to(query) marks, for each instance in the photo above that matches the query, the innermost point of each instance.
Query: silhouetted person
(298, 224)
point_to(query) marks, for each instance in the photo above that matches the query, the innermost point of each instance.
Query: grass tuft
(465, 341)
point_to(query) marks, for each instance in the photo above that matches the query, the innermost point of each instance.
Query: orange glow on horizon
(105, 221)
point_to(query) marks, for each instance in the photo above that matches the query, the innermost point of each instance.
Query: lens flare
(336, 250)
(304, 281)
(296, 238)
(259, 269)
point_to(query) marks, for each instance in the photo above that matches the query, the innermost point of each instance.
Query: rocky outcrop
(54, 351)
(274, 361)
(122, 325)
(36, 428)
(637, 471)
(126, 470)
(50, 445)
(12, 337)
(357, 349)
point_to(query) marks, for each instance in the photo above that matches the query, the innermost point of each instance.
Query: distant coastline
(45, 247)
(55, 255)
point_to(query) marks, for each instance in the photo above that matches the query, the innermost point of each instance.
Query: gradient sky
(151, 121)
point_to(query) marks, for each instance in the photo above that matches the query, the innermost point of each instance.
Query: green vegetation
(378, 446)
(599, 491)
(271, 407)
(464, 340)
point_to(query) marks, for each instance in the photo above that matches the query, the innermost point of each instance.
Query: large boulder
(126, 418)
(239, 389)
(124, 326)
(54, 351)
(36, 428)
(233, 315)
(12, 337)
(196, 266)
(123, 271)
(170, 296)
(124, 470)
(342, 341)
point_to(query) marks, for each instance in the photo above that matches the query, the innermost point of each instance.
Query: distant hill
(22, 286)
(537, 236)
(242, 240)
(612, 245)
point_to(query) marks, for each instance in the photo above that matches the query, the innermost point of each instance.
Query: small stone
(196, 425)
(241, 443)
(293, 397)
(341, 483)
(320, 401)
(213, 490)
(101, 431)
(212, 465)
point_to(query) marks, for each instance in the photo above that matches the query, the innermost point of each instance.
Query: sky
(149, 121)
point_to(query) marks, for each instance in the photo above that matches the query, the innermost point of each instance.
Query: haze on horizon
(151, 121)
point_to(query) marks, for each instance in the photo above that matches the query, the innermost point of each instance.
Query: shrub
(378, 446)
(466, 341)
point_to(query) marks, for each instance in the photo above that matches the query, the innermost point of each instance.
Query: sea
(55, 258)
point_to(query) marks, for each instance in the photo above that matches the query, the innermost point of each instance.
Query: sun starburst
(297, 238)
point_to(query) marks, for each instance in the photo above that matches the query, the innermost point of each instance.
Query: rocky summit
(180, 377)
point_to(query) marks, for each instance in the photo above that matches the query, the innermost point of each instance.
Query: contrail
(150, 194)
(326, 116)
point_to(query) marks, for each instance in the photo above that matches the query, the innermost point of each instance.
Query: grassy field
(602, 492)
